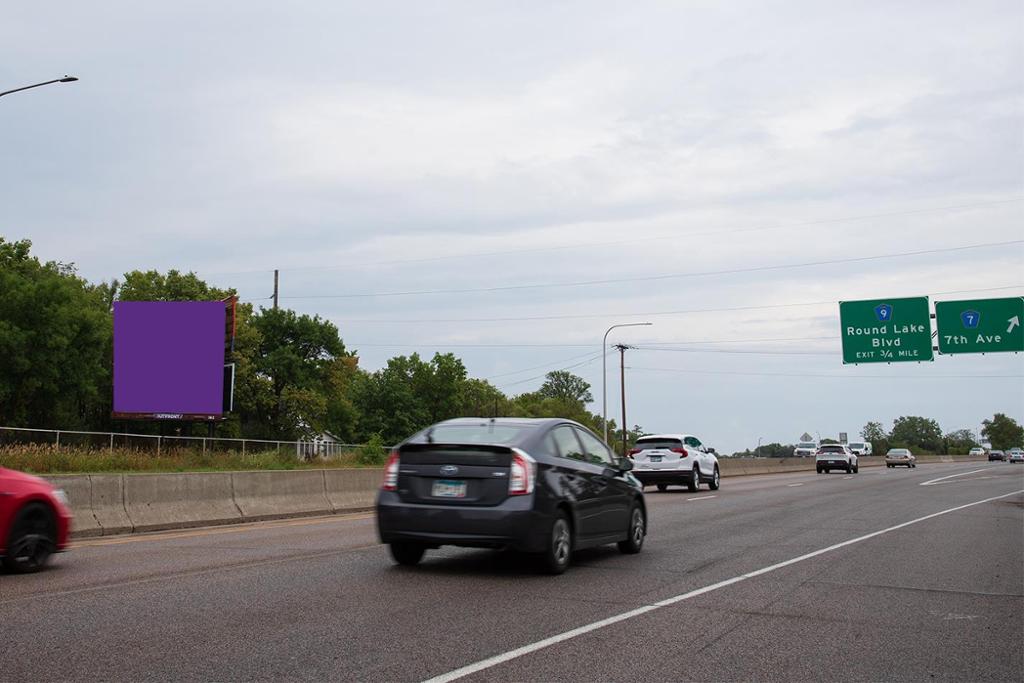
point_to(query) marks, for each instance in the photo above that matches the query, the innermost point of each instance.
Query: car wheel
(663, 487)
(32, 539)
(559, 550)
(819, 470)
(716, 480)
(637, 530)
(913, 465)
(407, 554)
(694, 483)
(856, 468)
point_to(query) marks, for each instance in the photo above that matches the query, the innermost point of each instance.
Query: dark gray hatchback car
(545, 486)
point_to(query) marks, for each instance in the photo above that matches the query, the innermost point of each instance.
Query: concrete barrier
(115, 504)
(265, 495)
(78, 488)
(352, 489)
(168, 501)
(108, 503)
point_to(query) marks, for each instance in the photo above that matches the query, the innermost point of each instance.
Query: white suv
(805, 449)
(835, 456)
(682, 459)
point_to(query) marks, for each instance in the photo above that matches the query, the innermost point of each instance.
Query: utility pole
(622, 379)
(275, 288)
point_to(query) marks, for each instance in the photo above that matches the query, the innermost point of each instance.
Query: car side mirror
(625, 465)
(712, 451)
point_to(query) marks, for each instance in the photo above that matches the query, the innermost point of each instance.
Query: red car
(35, 521)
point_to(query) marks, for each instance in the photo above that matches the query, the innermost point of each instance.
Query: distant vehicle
(545, 486)
(977, 450)
(861, 448)
(680, 459)
(1015, 455)
(996, 455)
(835, 456)
(900, 456)
(35, 521)
(805, 449)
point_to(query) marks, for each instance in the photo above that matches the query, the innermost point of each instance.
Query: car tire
(407, 554)
(856, 468)
(637, 531)
(819, 470)
(32, 540)
(716, 480)
(557, 555)
(694, 483)
(663, 487)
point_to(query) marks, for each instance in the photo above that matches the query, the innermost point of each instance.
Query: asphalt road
(779, 577)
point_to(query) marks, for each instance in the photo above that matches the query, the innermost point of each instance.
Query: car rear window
(806, 445)
(856, 445)
(485, 432)
(645, 444)
(899, 451)
(832, 449)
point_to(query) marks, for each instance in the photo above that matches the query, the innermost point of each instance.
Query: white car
(805, 449)
(976, 451)
(1015, 455)
(835, 456)
(861, 448)
(664, 459)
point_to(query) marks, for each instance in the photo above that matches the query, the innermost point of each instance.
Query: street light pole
(604, 375)
(757, 454)
(66, 79)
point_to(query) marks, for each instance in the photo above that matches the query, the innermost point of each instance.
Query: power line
(635, 240)
(633, 314)
(654, 278)
(820, 375)
(741, 351)
(542, 365)
(568, 367)
(582, 346)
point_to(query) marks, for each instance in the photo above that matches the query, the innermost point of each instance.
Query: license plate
(655, 458)
(449, 488)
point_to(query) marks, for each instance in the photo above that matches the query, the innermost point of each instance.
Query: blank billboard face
(169, 357)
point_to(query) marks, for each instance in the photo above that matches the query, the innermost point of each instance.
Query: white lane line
(794, 484)
(847, 477)
(703, 498)
(490, 662)
(932, 482)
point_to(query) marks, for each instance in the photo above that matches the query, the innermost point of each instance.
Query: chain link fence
(303, 450)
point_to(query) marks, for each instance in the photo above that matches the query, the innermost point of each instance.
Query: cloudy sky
(507, 180)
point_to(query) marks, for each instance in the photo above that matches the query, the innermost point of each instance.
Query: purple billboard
(169, 359)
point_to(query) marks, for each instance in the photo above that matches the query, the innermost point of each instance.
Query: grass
(50, 459)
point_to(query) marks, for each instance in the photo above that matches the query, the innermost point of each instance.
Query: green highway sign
(886, 330)
(980, 325)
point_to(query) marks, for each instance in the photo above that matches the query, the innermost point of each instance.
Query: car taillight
(522, 474)
(391, 473)
(681, 451)
(633, 451)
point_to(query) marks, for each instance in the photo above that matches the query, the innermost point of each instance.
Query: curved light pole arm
(604, 375)
(66, 79)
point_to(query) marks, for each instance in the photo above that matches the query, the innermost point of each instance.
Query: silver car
(900, 456)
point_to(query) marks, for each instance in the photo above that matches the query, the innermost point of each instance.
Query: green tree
(960, 441)
(873, 431)
(55, 339)
(480, 398)
(150, 285)
(566, 387)
(1002, 431)
(293, 360)
(916, 432)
